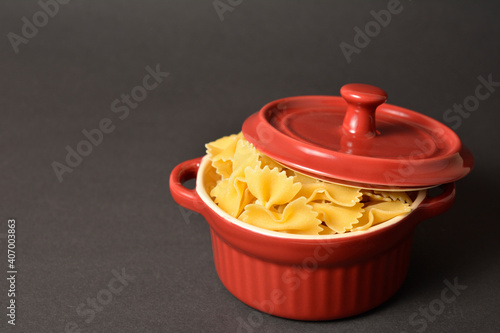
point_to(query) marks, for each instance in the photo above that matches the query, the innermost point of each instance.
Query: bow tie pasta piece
(245, 155)
(297, 217)
(232, 195)
(270, 187)
(212, 178)
(221, 153)
(388, 196)
(338, 218)
(224, 168)
(380, 212)
(326, 230)
(303, 179)
(267, 161)
(222, 148)
(341, 195)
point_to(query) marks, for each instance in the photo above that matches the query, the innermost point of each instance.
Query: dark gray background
(115, 212)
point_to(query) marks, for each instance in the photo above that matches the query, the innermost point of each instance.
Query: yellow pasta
(259, 191)
(269, 162)
(341, 195)
(338, 218)
(221, 153)
(270, 187)
(380, 212)
(245, 155)
(388, 196)
(232, 193)
(296, 217)
(326, 230)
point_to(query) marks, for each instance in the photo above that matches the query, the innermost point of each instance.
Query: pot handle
(185, 197)
(433, 206)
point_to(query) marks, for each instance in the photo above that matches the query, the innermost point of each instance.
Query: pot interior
(207, 178)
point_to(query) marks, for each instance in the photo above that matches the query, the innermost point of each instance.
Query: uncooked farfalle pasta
(257, 190)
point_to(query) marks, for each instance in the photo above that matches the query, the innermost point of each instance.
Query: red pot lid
(358, 140)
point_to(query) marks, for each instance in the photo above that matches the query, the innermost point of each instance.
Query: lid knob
(362, 100)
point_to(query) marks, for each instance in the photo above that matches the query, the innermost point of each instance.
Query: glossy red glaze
(362, 100)
(305, 278)
(183, 172)
(335, 140)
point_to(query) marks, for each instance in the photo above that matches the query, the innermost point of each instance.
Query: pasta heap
(257, 190)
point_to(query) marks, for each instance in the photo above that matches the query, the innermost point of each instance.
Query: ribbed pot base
(310, 290)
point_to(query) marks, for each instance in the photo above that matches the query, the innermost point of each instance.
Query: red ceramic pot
(300, 276)
(336, 139)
